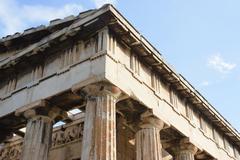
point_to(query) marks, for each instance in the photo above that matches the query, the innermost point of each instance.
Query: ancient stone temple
(115, 96)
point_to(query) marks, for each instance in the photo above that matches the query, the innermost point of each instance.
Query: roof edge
(159, 58)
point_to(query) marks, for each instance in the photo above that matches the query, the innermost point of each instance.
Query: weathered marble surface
(99, 138)
(121, 56)
(67, 144)
(37, 140)
(148, 142)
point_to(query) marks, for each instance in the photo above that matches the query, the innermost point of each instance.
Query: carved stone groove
(67, 135)
(37, 139)
(148, 143)
(184, 155)
(99, 138)
(11, 152)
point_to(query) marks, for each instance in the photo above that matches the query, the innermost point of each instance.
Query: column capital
(184, 145)
(148, 141)
(148, 120)
(97, 89)
(41, 109)
(37, 139)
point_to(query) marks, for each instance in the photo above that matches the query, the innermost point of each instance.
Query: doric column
(148, 143)
(37, 139)
(184, 150)
(99, 136)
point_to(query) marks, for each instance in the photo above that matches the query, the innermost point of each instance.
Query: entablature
(146, 53)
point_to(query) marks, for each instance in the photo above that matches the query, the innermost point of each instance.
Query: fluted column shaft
(37, 139)
(40, 118)
(99, 137)
(185, 155)
(148, 143)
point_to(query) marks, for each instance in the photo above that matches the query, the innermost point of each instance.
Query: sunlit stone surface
(108, 91)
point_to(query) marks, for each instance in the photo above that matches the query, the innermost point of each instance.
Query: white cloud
(99, 3)
(219, 64)
(46, 13)
(9, 16)
(15, 17)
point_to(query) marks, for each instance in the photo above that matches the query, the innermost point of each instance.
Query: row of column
(99, 138)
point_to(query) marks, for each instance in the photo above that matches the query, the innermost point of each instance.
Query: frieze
(67, 135)
(61, 136)
(11, 152)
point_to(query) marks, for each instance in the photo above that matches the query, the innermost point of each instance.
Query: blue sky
(200, 39)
